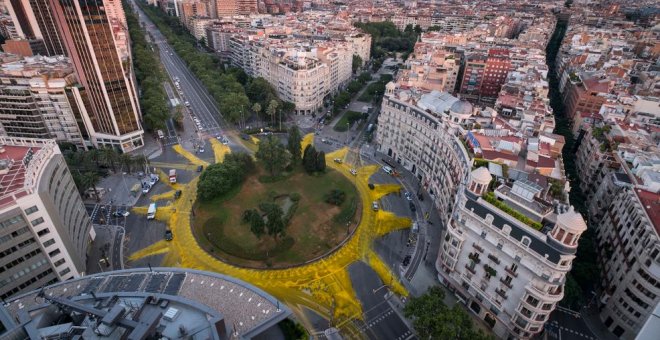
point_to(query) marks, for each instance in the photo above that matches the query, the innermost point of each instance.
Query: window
(65, 271)
(43, 232)
(31, 209)
(526, 241)
(532, 300)
(54, 253)
(59, 262)
(49, 243)
(37, 221)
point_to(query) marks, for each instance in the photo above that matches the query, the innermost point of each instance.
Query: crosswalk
(177, 166)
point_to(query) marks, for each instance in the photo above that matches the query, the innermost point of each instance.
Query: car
(406, 260)
(169, 235)
(200, 168)
(177, 194)
(187, 103)
(374, 206)
(408, 196)
(353, 172)
(224, 140)
(338, 160)
(412, 207)
(388, 170)
(120, 213)
(245, 136)
(201, 150)
(146, 188)
(153, 181)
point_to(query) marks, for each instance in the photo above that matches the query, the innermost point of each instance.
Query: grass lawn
(347, 119)
(314, 229)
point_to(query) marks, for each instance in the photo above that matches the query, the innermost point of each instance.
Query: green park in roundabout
(274, 220)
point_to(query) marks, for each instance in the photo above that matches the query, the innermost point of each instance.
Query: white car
(374, 206)
(388, 170)
(408, 196)
(146, 188)
(353, 172)
(201, 150)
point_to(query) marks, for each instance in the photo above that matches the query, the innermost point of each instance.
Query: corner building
(44, 227)
(509, 273)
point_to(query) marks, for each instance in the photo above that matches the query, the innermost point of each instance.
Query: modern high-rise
(89, 32)
(33, 19)
(228, 8)
(44, 227)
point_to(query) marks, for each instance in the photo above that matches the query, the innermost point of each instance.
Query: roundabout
(324, 285)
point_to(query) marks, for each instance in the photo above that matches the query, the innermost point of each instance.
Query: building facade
(34, 19)
(113, 112)
(44, 227)
(36, 100)
(629, 252)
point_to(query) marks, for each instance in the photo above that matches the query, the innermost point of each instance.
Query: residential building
(101, 59)
(594, 160)
(228, 8)
(44, 227)
(37, 100)
(484, 74)
(628, 244)
(145, 303)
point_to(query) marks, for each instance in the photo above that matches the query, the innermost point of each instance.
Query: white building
(44, 227)
(525, 262)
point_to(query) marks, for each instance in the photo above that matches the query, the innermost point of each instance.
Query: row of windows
(28, 283)
(23, 272)
(20, 260)
(11, 221)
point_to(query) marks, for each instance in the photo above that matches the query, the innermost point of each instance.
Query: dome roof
(572, 221)
(461, 107)
(481, 175)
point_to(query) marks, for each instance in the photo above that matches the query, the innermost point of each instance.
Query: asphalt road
(380, 320)
(201, 105)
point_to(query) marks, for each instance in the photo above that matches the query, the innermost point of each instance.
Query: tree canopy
(293, 145)
(433, 319)
(272, 155)
(220, 178)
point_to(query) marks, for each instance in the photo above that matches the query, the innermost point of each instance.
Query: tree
(272, 154)
(108, 157)
(275, 221)
(434, 320)
(357, 62)
(220, 178)
(232, 105)
(271, 110)
(364, 77)
(89, 180)
(320, 162)
(309, 159)
(257, 225)
(256, 108)
(354, 87)
(293, 144)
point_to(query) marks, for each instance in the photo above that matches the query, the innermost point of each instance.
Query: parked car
(408, 196)
(120, 213)
(374, 206)
(388, 170)
(353, 172)
(338, 160)
(146, 188)
(169, 235)
(177, 194)
(200, 168)
(412, 207)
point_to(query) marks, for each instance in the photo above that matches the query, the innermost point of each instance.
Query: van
(151, 213)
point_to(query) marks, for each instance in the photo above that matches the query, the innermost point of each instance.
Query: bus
(151, 213)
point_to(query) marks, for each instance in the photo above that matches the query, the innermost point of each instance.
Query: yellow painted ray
(140, 210)
(308, 139)
(387, 222)
(189, 156)
(168, 195)
(219, 150)
(159, 247)
(385, 273)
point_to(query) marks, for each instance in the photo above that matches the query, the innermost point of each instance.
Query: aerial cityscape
(315, 169)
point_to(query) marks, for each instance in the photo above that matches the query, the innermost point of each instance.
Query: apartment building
(524, 268)
(44, 227)
(228, 8)
(594, 160)
(37, 101)
(431, 69)
(484, 74)
(629, 252)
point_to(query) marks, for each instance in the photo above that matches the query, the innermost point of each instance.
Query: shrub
(335, 197)
(294, 196)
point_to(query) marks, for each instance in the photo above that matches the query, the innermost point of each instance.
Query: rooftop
(161, 301)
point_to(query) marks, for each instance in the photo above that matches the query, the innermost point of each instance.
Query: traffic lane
(392, 248)
(380, 321)
(570, 324)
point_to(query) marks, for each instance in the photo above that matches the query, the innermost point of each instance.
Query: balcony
(508, 284)
(474, 258)
(493, 258)
(501, 293)
(470, 269)
(511, 272)
(477, 247)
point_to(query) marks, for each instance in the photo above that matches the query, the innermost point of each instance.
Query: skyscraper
(94, 46)
(33, 19)
(93, 34)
